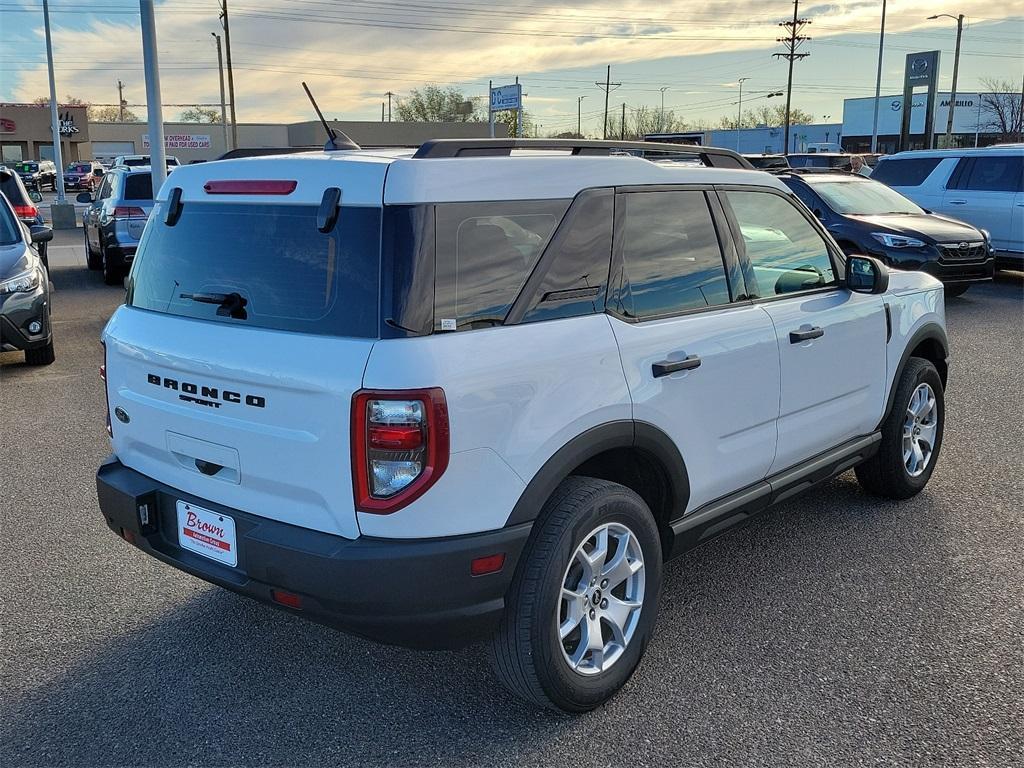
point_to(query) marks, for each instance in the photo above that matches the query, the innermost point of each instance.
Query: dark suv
(867, 217)
(37, 175)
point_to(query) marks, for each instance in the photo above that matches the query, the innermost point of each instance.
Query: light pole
(878, 85)
(579, 115)
(661, 115)
(54, 117)
(959, 19)
(223, 103)
(739, 113)
(155, 117)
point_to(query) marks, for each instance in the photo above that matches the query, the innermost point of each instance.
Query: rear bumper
(412, 592)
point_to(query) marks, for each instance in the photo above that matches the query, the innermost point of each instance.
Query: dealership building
(25, 134)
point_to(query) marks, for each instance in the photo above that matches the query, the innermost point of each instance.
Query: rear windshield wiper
(228, 304)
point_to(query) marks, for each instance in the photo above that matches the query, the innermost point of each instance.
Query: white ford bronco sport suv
(485, 389)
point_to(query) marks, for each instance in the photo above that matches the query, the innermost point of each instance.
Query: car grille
(975, 251)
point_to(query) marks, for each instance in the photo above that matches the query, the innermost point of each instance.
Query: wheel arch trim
(928, 332)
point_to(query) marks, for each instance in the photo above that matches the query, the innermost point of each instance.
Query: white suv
(487, 388)
(984, 187)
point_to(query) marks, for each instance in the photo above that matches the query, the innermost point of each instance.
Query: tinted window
(138, 186)
(672, 260)
(909, 172)
(10, 230)
(293, 277)
(576, 262)
(997, 173)
(786, 253)
(485, 253)
(807, 197)
(12, 187)
(104, 192)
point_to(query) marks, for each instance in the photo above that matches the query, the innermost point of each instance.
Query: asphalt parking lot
(836, 630)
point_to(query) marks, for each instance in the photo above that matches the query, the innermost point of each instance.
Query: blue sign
(506, 97)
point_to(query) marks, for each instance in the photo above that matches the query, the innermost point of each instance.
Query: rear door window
(996, 173)
(485, 252)
(908, 172)
(670, 254)
(291, 276)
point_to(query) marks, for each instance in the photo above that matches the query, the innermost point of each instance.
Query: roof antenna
(335, 139)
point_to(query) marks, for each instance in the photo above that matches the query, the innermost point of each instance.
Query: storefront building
(25, 133)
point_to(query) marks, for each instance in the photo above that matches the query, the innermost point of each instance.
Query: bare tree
(200, 115)
(643, 121)
(1001, 110)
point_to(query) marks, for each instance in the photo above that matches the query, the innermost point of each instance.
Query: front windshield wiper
(228, 304)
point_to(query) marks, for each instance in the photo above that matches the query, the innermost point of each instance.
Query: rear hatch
(234, 361)
(136, 207)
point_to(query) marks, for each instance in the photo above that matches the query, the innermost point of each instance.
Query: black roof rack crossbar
(713, 157)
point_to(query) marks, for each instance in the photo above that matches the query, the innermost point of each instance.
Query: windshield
(264, 266)
(28, 167)
(133, 161)
(79, 168)
(865, 198)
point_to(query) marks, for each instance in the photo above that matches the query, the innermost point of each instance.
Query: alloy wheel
(919, 430)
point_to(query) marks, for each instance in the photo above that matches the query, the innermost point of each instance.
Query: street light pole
(661, 115)
(54, 116)
(151, 67)
(223, 105)
(579, 116)
(959, 19)
(739, 113)
(878, 85)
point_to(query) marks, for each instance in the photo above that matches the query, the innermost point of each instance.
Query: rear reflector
(489, 564)
(289, 599)
(26, 211)
(395, 438)
(250, 187)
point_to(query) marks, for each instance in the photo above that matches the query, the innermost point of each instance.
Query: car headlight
(21, 283)
(897, 241)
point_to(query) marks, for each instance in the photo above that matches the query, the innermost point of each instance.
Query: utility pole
(622, 130)
(661, 115)
(54, 116)
(231, 74)
(120, 101)
(959, 19)
(519, 112)
(223, 107)
(151, 67)
(608, 87)
(793, 42)
(490, 109)
(389, 94)
(878, 84)
(739, 113)
(579, 116)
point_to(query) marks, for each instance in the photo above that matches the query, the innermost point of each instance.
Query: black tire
(93, 260)
(526, 651)
(956, 289)
(112, 274)
(885, 473)
(40, 355)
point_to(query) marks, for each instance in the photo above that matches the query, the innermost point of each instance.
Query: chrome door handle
(665, 367)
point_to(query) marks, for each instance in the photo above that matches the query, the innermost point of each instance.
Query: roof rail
(713, 157)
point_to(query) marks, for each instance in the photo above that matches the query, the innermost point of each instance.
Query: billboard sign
(181, 141)
(968, 113)
(506, 97)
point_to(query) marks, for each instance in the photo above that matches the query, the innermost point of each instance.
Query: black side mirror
(865, 274)
(34, 196)
(84, 197)
(41, 234)
(98, 172)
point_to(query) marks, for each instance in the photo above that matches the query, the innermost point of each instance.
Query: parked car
(38, 174)
(133, 161)
(984, 187)
(115, 219)
(840, 161)
(867, 217)
(768, 162)
(446, 395)
(24, 289)
(85, 176)
(25, 204)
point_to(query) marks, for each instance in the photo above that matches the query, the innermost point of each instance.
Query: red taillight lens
(128, 212)
(250, 187)
(400, 446)
(26, 211)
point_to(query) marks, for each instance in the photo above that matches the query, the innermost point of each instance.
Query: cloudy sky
(353, 51)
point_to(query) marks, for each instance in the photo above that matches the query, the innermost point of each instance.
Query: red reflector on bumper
(489, 564)
(250, 187)
(286, 598)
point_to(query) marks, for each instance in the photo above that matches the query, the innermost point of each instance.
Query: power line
(793, 42)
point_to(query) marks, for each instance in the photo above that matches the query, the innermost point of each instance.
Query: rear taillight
(26, 211)
(106, 394)
(129, 212)
(399, 446)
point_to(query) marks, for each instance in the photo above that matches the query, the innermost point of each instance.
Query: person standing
(857, 165)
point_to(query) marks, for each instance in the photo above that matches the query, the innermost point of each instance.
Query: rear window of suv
(908, 172)
(292, 276)
(138, 186)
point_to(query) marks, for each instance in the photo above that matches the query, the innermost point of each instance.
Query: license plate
(207, 533)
